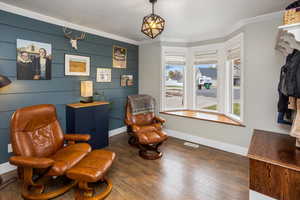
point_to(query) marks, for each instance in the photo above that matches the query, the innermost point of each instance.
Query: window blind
(234, 53)
(172, 58)
(205, 57)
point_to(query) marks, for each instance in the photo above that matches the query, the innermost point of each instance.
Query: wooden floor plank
(183, 173)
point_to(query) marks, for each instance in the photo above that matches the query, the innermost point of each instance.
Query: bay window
(174, 70)
(235, 87)
(233, 49)
(207, 78)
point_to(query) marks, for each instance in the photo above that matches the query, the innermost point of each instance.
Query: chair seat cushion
(151, 137)
(147, 128)
(68, 157)
(93, 167)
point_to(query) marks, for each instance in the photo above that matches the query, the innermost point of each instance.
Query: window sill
(206, 116)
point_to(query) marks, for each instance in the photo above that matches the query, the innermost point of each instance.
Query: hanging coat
(292, 81)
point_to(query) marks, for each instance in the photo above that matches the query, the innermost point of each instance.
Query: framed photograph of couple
(34, 60)
(76, 65)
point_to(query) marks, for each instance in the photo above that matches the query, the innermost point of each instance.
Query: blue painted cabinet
(89, 118)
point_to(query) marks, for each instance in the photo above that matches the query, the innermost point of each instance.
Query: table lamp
(86, 91)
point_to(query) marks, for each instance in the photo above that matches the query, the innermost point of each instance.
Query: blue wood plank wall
(61, 89)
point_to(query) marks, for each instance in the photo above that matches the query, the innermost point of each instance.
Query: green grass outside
(236, 108)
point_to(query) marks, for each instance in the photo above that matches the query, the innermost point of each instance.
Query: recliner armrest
(159, 119)
(127, 122)
(77, 137)
(135, 128)
(28, 161)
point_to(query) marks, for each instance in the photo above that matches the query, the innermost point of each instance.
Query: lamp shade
(86, 88)
(153, 25)
(4, 81)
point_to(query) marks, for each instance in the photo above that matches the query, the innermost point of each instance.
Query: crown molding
(156, 40)
(52, 20)
(178, 40)
(203, 37)
(260, 18)
(222, 34)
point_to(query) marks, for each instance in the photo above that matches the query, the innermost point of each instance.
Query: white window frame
(237, 41)
(208, 48)
(223, 76)
(173, 50)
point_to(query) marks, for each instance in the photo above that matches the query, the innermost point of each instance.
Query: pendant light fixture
(153, 24)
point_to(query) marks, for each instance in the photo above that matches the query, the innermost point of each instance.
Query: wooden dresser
(89, 118)
(274, 165)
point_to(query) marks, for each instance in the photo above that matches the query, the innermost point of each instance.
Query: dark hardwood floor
(183, 173)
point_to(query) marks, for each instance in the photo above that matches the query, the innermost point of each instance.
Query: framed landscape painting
(119, 57)
(77, 65)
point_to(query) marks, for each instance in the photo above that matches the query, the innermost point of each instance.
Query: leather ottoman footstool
(91, 169)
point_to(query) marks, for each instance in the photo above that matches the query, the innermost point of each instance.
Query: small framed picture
(103, 75)
(33, 60)
(77, 65)
(126, 80)
(119, 57)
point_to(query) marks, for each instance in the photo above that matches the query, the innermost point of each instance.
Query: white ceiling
(186, 19)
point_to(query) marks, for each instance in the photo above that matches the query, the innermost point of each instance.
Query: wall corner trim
(6, 167)
(41, 17)
(208, 142)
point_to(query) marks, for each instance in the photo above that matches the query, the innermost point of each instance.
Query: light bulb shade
(153, 25)
(86, 88)
(4, 81)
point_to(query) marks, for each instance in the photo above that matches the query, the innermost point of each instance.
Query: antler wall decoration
(73, 39)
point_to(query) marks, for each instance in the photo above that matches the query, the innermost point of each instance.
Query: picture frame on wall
(34, 60)
(76, 65)
(126, 80)
(103, 75)
(119, 57)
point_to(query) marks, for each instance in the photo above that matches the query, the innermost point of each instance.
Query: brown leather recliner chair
(145, 133)
(39, 152)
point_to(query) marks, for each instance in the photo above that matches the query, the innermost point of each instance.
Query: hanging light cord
(153, 7)
(153, 2)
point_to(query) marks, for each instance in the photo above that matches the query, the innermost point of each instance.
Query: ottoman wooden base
(85, 192)
(92, 169)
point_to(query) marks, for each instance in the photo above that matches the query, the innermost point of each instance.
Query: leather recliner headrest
(33, 117)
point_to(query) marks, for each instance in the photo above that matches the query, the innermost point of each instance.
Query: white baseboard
(6, 167)
(117, 131)
(208, 142)
(258, 196)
